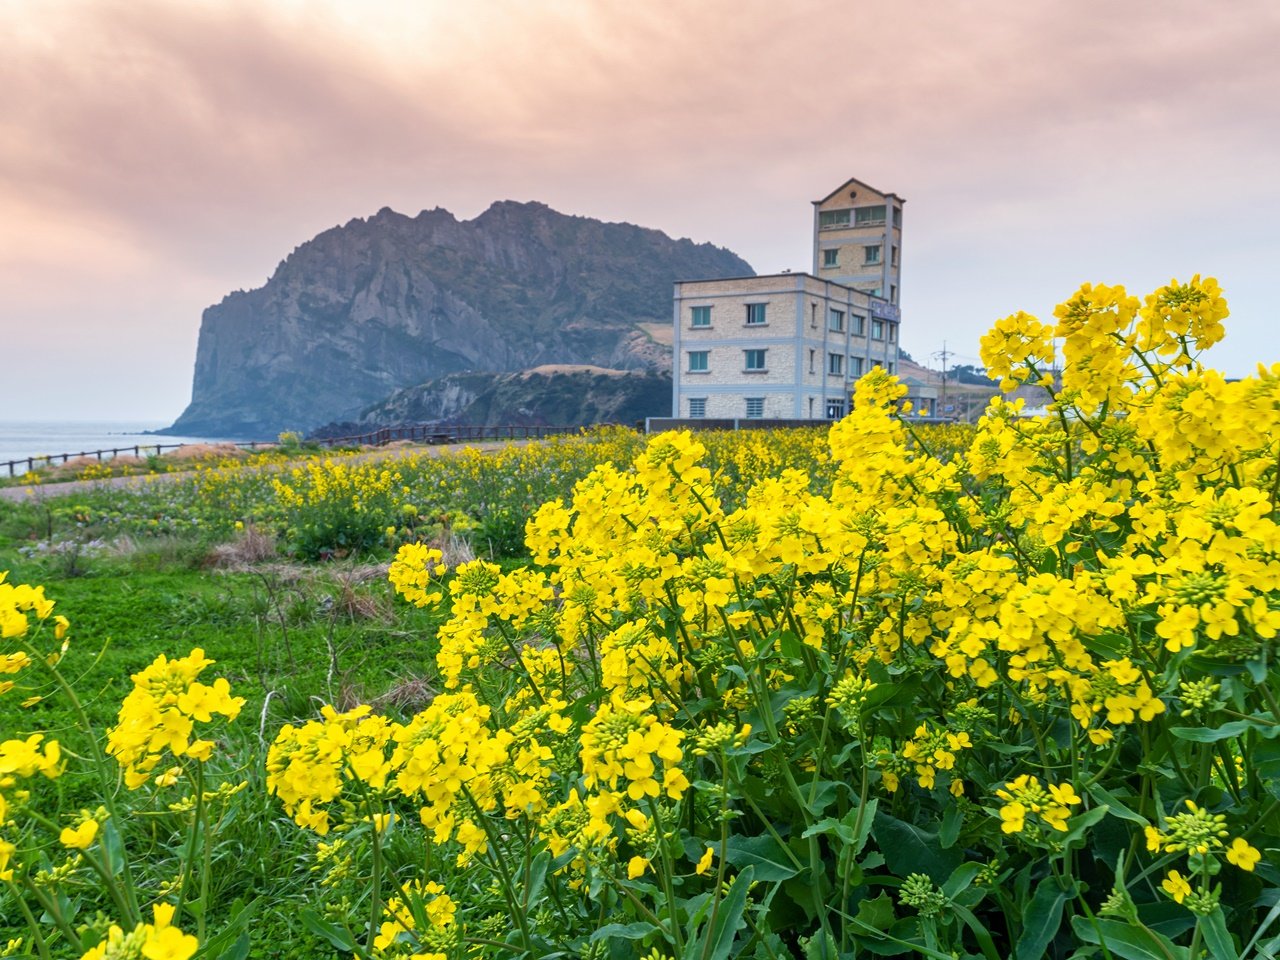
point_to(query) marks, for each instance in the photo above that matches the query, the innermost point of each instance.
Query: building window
(701, 317)
(754, 359)
(755, 407)
(697, 406)
(835, 364)
(855, 366)
(893, 333)
(837, 321)
(859, 326)
(897, 217)
(894, 255)
(829, 257)
(892, 368)
(877, 329)
(834, 219)
(812, 356)
(871, 254)
(835, 409)
(698, 361)
(813, 315)
(893, 293)
(755, 314)
(867, 216)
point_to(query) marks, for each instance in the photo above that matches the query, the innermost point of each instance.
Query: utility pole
(944, 354)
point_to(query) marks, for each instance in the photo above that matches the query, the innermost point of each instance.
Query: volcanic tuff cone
(392, 301)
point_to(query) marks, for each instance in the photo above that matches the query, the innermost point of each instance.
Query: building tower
(857, 240)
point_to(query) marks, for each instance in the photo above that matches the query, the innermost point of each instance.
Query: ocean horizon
(21, 439)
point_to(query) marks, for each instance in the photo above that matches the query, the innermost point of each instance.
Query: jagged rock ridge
(545, 396)
(392, 301)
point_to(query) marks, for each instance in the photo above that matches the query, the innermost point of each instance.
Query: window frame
(703, 312)
(871, 254)
(835, 364)
(835, 320)
(757, 314)
(753, 353)
(704, 358)
(830, 258)
(871, 218)
(831, 219)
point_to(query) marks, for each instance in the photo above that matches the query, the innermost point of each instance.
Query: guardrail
(448, 434)
(138, 450)
(378, 438)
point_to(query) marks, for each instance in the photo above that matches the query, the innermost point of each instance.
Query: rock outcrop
(554, 395)
(392, 301)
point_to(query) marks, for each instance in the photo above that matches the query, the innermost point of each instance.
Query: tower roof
(854, 181)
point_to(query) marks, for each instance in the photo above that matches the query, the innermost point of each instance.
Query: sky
(156, 155)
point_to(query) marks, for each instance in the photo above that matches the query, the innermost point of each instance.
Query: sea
(20, 439)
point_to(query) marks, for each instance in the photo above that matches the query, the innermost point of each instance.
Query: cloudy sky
(157, 154)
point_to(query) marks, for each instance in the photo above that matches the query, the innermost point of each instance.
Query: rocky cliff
(545, 396)
(392, 301)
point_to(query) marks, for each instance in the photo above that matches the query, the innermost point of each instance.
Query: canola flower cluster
(1055, 584)
(734, 700)
(160, 713)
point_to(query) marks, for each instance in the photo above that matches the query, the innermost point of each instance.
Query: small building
(788, 346)
(775, 347)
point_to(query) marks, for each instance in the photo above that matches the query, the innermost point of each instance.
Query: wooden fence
(378, 438)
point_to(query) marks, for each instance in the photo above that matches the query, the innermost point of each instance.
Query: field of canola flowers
(1001, 692)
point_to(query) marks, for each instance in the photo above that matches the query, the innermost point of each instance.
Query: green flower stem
(34, 927)
(668, 870)
(132, 915)
(495, 856)
(50, 906)
(188, 864)
(100, 868)
(375, 895)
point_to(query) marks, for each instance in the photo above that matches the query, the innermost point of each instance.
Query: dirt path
(67, 488)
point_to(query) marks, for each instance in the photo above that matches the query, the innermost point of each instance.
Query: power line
(944, 353)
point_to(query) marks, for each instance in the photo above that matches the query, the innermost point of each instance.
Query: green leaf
(1118, 809)
(1236, 728)
(764, 853)
(980, 933)
(728, 919)
(952, 820)
(536, 879)
(908, 849)
(821, 796)
(624, 931)
(238, 950)
(1080, 824)
(321, 927)
(960, 879)
(877, 913)
(1128, 942)
(1041, 922)
(1216, 937)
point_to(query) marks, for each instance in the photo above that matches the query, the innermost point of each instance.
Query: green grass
(288, 638)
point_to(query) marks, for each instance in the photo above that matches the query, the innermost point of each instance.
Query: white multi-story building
(789, 346)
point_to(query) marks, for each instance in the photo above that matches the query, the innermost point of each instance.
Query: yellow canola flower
(79, 838)
(704, 862)
(152, 941)
(1242, 854)
(160, 713)
(1176, 885)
